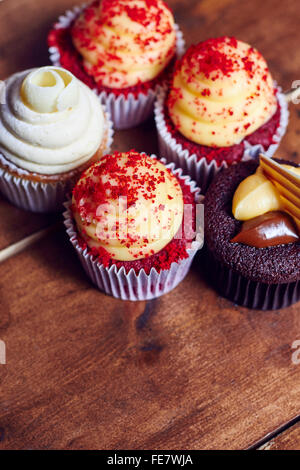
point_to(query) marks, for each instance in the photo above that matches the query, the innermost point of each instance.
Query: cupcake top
(221, 92)
(128, 204)
(124, 43)
(268, 201)
(267, 263)
(50, 123)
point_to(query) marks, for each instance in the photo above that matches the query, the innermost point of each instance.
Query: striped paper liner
(246, 292)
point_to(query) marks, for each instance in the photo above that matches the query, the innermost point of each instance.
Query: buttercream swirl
(125, 43)
(222, 91)
(129, 205)
(51, 122)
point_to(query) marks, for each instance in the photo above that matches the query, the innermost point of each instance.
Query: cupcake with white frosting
(222, 107)
(52, 127)
(122, 49)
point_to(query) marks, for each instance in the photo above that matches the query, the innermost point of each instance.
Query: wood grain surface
(288, 440)
(187, 371)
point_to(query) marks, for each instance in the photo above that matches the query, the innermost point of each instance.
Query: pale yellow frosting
(222, 91)
(256, 195)
(51, 122)
(129, 204)
(123, 42)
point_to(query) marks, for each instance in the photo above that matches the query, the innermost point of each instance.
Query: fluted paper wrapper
(36, 196)
(202, 171)
(247, 293)
(126, 111)
(133, 286)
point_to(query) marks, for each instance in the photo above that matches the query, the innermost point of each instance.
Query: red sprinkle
(149, 14)
(205, 92)
(210, 58)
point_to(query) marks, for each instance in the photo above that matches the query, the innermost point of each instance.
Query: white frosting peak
(51, 122)
(47, 90)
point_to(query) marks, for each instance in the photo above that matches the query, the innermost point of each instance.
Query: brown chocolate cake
(264, 278)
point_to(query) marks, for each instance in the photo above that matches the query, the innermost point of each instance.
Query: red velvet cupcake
(132, 221)
(222, 108)
(122, 50)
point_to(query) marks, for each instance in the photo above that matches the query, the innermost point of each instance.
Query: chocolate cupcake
(222, 107)
(123, 50)
(252, 248)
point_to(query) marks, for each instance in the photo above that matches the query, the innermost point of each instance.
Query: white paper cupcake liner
(132, 286)
(38, 196)
(126, 111)
(202, 171)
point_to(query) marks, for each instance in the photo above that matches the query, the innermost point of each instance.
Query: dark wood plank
(288, 440)
(23, 33)
(16, 224)
(189, 370)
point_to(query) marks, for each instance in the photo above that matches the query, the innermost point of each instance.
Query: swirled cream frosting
(51, 123)
(221, 92)
(123, 42)
(129, 205)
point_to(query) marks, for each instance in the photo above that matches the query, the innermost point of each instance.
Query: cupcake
(132, 222)
(252, 228)
(222, 107)
(122, 49)
(52, 127)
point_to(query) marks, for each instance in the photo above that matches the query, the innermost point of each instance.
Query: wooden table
(187, 371)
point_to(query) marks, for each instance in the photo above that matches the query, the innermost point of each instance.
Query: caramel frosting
(255, 196)
(51, 123)
(271, 229)
(286, 179)
(221, 92)
(129, 205)
(125, 43)
(269, 203)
